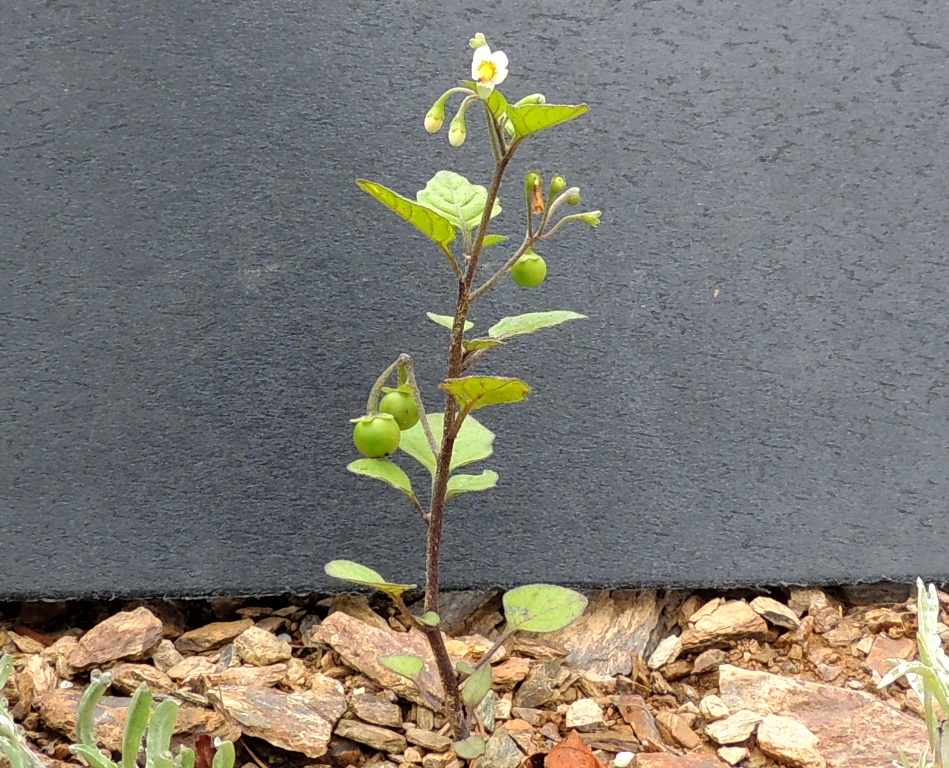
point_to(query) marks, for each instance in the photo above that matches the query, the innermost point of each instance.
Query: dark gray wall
(195, 297)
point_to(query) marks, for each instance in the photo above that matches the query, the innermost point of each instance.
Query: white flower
(488, 69)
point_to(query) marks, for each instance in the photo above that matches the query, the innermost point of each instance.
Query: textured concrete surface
(195, 297)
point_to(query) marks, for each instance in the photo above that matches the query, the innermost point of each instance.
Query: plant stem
(454, 709)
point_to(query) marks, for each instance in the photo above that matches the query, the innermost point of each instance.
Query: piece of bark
(372, 736)
(126, 678)
(727, 622)
(130, 635)
(633, 710)
(774, 612)
(376, 710)
(211, 636)
(789, 742)
(261, 648)
(675, 731)
(299, 722)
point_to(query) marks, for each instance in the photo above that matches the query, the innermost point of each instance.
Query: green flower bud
(477, 41)
(557, 185)
(457, 132)
(435, 118)
(590, 217)
(534, 98)
(572, 196)
(533, 182)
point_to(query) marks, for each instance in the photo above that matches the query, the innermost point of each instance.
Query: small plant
(155, 725)
(12, 741)
(448, 207)
(928, 677)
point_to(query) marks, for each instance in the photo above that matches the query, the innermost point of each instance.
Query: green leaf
(533, 118)
(430, 619)
(496, 101)
(6, 667)
(473, 442)
(160, 728)
(447, 321)
(136, 721)
(469, 748)
(224, 755)
(474, 392)
(520, 325)
(494, 240)
(354, 573)
(465, 667)
(482, 344)
(386, 471)
(431, 223)
(16, 753)
(403, 664)
(542, 607)
(476, 687)
(456, 199)
(185, 758)
(467, 483)
(86, 714)
(92, 756)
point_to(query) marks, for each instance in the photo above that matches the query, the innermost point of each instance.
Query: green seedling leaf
(464, 667)
(542, 607)
(160, 728)
(467, 483)
(496, 101)
(354, 573)
(474, 392)
(474, 344)
(533, 118)
(224, 756)
(136, 721)
(430, 619)
(403, 664)
(456, 199)
(17, 754)
(470, 748)
(476, 687)
(520, 325)
(473, 442)
(447, 321)
(185, 758)
(92, 756)
(6, 667)
(430, 222)
(386, 471)
(86, 714)
(494, 240)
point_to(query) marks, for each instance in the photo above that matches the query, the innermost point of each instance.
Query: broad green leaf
(456, 199)
(465, 667)
(473, 442)
(482, 344)
(386, 471)
(17, 754)
(92, 756)
(185, 758)
(430, 619)
(136, 721)
(476, 687)
(224, 756)
(532, 118)
(474, 392)
(542, 607)
(520, 325)
(494, 240)
(354, 573)
(447, 321)
(403, 664)
(468, 483)
(430, 222)
(85, 716)
(496, 101)
(470, 748)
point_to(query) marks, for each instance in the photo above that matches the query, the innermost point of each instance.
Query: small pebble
(623, 759)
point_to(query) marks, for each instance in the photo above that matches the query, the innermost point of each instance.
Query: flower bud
(477, 41)
(572, 196)
(557, 185)
(590, 217)
(457, 132)
(435, 118)
(533, 182)
(534, 98)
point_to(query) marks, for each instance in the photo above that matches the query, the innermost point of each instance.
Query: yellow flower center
(487, 71)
